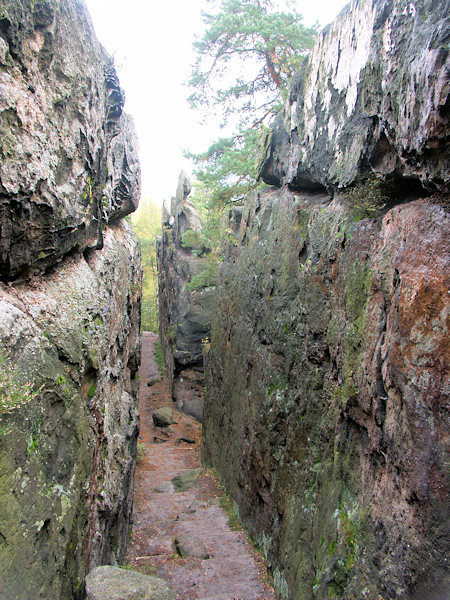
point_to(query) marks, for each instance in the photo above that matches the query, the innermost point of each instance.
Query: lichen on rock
(371, 98)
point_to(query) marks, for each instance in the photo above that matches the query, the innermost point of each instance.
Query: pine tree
(255, 48)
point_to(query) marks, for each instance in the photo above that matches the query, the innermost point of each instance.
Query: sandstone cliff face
(327, 374)
(372, 97)
(69, 303)
(64, 166)
(326, 386)
(185, 312)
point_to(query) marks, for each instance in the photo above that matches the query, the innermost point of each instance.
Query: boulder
(113, 583)
(187, 545)
(186, 480)
(164, 416)
(164, 488)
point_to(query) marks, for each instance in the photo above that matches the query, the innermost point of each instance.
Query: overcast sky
(152, 45)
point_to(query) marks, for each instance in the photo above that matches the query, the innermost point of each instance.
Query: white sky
(151, 41)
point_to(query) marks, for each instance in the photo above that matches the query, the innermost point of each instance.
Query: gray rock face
(372, 97)
(325, 409)
(68, 455)
(69, 303)
(111, 583)
(185, 313)
(68, 154)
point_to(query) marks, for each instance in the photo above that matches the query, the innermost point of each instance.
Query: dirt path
(233, 571)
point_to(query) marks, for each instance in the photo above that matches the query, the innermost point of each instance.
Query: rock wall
(184, 311)
(372, 97)
(327, 373)
(68, 153)
(69, 303)
(326, 394)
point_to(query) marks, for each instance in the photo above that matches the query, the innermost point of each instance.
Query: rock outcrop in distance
(69, 302)
(327, 373)
(184, 306)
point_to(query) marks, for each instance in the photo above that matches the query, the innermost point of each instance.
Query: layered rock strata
(185, 308)
(327, 374)
(69, 303)
(68, 153)
(371, 98)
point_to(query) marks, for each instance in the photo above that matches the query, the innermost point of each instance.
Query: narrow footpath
(209, 560)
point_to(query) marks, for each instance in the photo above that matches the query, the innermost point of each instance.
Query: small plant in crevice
(227, 505)
(88, 191)
(366, 199)
(140, 451)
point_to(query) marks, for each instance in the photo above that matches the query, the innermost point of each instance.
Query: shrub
(206, 278)
(196, 241)
(367, 198)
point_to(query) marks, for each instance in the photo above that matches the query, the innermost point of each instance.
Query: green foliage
(159, 357)
(227, 505)
(228, 168)
(260, 45)
(146, 222)
(88, 192)
(92, 390)
(211, 213)
(140, 451)
(197, 241)
(15, 389)
(366, 199)
(207, 277)
(255, 48)
(332, 548)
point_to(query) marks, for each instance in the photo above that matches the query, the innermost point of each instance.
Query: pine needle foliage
(247, 54)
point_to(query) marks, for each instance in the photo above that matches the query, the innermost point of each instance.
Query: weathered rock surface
(186, 480)
(188, 545)
(68, 154)
(112, 583)
(164, 416)
(67, 457)
(185, 313)
(327, 386)
(69, 317)
(372, 97)
(327, 372)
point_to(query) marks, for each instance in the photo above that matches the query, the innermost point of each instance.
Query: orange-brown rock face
(328, 384)
(328, 369)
